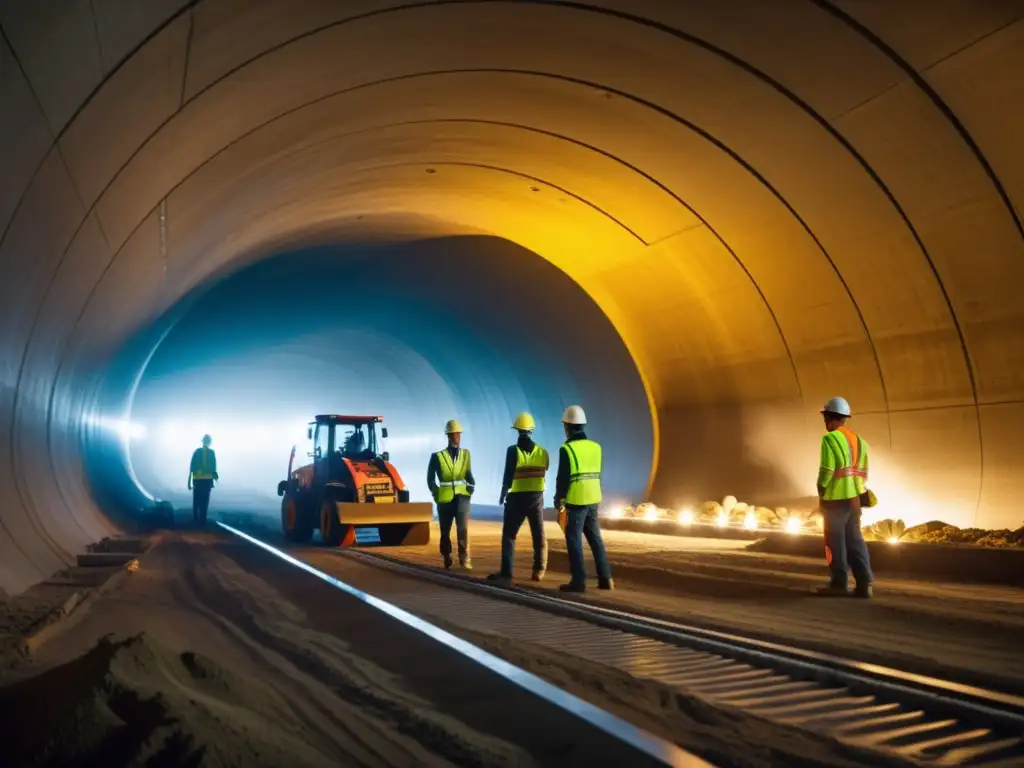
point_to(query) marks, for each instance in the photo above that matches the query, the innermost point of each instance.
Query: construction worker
(842, 477)
(577, 495)
(522, 494)
(454, 469)
(201, 475)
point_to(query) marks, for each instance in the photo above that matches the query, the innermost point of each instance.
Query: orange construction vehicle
(351, 492)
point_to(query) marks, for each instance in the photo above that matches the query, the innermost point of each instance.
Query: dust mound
(133, 702)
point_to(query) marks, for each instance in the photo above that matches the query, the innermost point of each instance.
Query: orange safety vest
(853, 442)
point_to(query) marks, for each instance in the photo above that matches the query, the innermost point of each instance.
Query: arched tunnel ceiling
(772, 202)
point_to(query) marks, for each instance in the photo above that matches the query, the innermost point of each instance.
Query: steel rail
(643, 742)
(922, 719)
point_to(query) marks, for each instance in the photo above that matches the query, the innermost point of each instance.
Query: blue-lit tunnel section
(473, 328)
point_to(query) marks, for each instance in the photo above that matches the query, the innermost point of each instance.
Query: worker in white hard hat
(452, 492)
(577, 496)
(522, 494)
(842, 478)
(202, 472)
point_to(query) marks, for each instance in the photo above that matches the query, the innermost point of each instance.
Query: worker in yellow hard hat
(452, 492)
(842, 491)
(202, 472)
(522, 494)
(577, 495)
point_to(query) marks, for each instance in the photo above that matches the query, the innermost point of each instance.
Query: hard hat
(207, 439)
(524, 422)
(837, 405)
(452, 426)
(574, 415)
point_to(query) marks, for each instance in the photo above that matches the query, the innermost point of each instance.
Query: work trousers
(844, 543)
(457, 511)
(582, 522)
(520, 506)
(201, 500)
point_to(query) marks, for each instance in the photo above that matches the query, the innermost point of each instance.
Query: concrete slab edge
(51, 625)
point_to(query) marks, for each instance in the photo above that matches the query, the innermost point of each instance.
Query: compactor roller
(350, 491)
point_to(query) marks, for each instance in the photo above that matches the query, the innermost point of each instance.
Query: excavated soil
(134, 701)
(197, 661)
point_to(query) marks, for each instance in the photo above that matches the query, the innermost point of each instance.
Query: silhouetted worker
(452, 492)
(577, 496)
(201, 474)
(842, 478)
(355, 443)
(522, 493)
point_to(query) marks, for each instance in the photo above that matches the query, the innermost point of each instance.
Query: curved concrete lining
(772, 203)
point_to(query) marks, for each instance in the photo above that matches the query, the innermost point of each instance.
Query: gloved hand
(190, 485)
(563, 519)
(501, 500)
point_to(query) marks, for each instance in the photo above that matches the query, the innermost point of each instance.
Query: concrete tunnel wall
(772, 202)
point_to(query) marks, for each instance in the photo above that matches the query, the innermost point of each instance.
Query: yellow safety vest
(584, 472)
(531, 469)
(843, 468)
(204, 464)
(452, 475)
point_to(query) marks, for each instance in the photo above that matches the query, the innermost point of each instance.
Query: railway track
(916, 719)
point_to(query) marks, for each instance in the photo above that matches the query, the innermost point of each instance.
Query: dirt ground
(216, 653)
(969, 632)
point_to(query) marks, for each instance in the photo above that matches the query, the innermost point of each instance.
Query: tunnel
(417, 332)
(726, 213)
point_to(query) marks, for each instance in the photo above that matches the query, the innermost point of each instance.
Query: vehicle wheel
(295, 521)
(330, 528)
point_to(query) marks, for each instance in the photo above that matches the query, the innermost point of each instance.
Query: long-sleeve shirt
(526, 444)
(434, 469)
(564, 469)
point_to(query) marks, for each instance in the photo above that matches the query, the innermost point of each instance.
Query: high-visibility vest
(845, 454)
(531, 469)
(584, 472)
(204, 464)
(452, 475)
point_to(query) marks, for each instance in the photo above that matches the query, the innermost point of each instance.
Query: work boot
(573, 587)
(504, 578)
(832, 590)
(605, 584)
(447, 562)
(538, 575)
(467, 564)
(864, 592)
